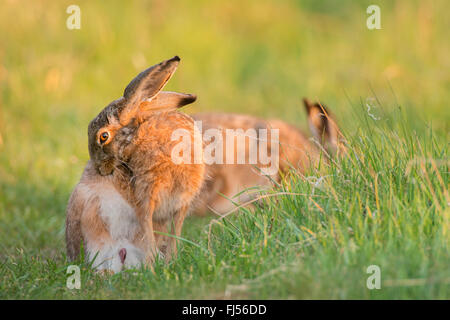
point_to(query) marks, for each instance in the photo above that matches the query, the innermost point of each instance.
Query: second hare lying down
(131, 188)
(295, 151)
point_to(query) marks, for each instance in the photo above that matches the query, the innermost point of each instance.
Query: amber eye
(104, 137)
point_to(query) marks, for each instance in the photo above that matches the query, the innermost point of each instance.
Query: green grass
(386, 204)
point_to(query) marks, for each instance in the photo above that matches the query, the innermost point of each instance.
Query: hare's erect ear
(324, 127)
(317, 120)
(149, 82)
(167, 100)
(147, 85)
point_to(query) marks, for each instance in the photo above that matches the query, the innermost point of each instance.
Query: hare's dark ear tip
(176, 58)
(184, 99)
(189, 99)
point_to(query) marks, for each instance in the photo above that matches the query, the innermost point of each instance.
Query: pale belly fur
(122, 225)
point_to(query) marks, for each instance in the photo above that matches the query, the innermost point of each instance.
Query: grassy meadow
(385, 204)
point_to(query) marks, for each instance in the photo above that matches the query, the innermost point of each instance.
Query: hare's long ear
(167, 100)
(324, 127)
(146, 86)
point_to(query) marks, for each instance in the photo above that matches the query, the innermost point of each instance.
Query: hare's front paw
(151, 256)
(161, 255)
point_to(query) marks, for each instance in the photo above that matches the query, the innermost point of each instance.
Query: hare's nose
(123, 254)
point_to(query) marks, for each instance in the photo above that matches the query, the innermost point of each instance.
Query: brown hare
(131, 191)
(295, 150)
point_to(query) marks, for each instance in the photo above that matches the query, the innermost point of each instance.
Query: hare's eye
(104, 137)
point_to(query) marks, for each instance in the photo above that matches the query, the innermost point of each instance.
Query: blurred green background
(259, 57)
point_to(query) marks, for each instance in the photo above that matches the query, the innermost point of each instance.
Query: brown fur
(296, 151)
(156, 179)
(135, 160)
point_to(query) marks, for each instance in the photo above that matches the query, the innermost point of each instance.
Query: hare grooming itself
(130, 187)
(296, 151)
